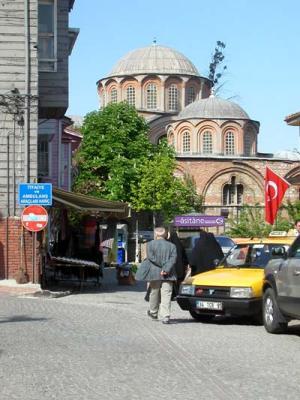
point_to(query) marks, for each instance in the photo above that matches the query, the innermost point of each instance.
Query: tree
(293, 210)
(115, 143)
(251, 223)
(159, 190)
(215, 70)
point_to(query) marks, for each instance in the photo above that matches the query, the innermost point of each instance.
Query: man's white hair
(160, 232)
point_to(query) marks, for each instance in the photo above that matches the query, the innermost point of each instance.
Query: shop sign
(199, 221)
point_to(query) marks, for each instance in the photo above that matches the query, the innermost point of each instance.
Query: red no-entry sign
(34, 218)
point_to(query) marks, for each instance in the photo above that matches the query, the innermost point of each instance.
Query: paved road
(103, 346)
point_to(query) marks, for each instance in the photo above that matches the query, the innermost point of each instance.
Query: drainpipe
(8, 213)
(59, 153)
(27, 91)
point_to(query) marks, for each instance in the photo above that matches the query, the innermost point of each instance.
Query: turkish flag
(275, 187)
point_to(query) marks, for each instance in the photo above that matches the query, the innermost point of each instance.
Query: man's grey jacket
(161, 256)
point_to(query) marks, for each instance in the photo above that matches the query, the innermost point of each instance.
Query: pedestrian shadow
(21, 318)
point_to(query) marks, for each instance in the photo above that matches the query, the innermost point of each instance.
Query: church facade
(215, 140)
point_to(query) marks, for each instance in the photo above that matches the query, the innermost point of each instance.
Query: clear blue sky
(262, 51)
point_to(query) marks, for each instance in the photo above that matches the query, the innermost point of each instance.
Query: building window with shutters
(229, 143)
(191, 95)
(207, 144)
(114, 95)
(233, 193)
(47, 39)
(130, 95)
(151, 96)
(173, 98)
(186, 142)
(43, 156)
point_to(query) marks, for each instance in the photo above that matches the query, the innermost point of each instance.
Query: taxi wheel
(271, 315)
(201, 317)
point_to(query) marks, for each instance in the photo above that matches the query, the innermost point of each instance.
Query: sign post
(34, 218)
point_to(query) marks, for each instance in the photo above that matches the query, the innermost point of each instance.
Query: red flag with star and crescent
(275, 188)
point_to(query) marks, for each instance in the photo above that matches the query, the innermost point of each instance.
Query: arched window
(207, 145)
(173, 98)
(191, 95)
(172, 140)
(151, 96)
(229, 143)
(113, 95)
(233, 193)
(248, 143)
(130, 95)
(186, 142)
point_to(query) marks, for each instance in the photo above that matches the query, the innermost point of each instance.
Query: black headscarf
(181, 261)
(205, 252)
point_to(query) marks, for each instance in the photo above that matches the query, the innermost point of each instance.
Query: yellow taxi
(235, 287)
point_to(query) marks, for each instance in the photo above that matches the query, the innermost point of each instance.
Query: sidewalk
(11, 287)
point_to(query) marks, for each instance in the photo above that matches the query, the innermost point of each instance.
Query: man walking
(159, 270)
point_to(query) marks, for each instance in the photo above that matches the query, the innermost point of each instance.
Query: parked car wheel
(271, 313)
(201, 317)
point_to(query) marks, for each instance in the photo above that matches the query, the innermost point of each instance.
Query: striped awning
(91, 204)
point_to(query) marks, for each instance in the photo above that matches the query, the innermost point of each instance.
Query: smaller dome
(293, 155)
(213, 108)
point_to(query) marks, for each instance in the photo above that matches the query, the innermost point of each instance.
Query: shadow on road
(20, 318)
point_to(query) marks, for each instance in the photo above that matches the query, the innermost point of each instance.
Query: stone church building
(215, 140)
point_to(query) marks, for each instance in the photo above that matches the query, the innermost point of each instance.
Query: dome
(213, 108)
(154, 59)
(293, 155)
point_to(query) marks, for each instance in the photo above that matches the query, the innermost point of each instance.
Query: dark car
(224, 241)
(281, 297)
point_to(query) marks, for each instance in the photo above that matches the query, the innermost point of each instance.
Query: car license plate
(209, 305)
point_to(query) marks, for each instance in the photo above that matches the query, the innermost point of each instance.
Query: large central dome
(154, 59)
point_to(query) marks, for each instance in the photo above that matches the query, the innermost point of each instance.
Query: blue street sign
(35, 193)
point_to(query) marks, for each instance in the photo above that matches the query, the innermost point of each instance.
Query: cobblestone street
(101, 344)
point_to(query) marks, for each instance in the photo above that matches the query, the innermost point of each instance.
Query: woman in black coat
(181, 264)
(205, 253)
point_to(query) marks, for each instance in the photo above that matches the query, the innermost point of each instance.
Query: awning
(91, 204)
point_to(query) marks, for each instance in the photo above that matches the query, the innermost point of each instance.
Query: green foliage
(215, 73)
(293, 210)
(159, 190)
(251, 223)
(115, 144)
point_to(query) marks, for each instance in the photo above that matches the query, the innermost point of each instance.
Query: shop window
(47, 35)
(186, 142)
(130, 95)
(173, 98)
(151, 96)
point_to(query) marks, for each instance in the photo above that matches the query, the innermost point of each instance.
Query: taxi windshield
(254, 255)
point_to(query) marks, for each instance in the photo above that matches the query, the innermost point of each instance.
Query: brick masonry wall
(211, 175)
(11, 256)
